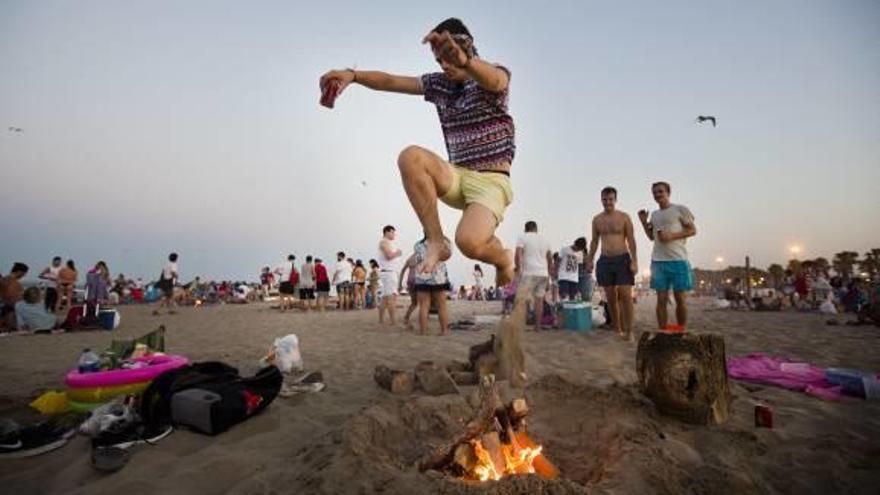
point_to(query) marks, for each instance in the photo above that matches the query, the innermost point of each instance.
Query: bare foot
(504, 273)
(437, 251)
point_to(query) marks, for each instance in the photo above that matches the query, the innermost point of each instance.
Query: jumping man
(471, 97)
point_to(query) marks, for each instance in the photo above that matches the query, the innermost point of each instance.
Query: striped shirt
(479, 132)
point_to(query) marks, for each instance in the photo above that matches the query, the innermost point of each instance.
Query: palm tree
(871, 263)
(821, 265)
(844, 262)
(776, 273)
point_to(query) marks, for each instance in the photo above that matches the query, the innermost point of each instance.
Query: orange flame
(520, 457)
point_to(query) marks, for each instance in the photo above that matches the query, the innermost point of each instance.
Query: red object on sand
(674, 328)
(329, 93)
(763, 416)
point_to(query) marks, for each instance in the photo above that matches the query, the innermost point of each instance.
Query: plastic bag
(598, 316)
(285, 354)
(51, 402)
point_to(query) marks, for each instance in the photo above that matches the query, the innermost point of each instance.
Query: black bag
(240, 398)
(164, 284)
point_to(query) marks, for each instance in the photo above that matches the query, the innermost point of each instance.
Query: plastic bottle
(89, 361)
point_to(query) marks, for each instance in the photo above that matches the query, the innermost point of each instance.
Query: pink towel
(759, 368)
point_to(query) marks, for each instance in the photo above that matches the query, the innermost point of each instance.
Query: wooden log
(465, 458)
(491, 442)
(482, 420)
(685, 375)
(518, 409)
(395, 381)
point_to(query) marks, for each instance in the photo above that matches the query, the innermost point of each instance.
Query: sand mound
(600, 438)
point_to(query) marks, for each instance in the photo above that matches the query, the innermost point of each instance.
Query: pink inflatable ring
(153, 367)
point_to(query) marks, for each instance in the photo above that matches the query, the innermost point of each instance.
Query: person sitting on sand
(430, 289)
(31, 314)
(11, 292)
(471, 98)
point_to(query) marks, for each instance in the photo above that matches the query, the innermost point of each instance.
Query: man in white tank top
(389, 261)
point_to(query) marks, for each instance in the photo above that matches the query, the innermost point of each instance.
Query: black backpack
(240, 397)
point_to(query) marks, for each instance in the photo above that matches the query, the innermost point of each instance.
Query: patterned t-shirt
(478, 130)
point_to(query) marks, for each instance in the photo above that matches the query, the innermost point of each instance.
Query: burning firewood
(480, 423)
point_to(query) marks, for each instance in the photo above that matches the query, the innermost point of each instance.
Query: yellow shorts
(490, 189)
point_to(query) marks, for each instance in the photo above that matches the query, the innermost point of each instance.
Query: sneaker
(111, 416)
(25, 441)
(131, 435)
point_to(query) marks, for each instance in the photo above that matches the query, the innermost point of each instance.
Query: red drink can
(763, 416)
(329, 93)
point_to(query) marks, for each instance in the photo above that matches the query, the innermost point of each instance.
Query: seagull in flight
(703, 118)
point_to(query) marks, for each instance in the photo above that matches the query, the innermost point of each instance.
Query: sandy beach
(357, 438)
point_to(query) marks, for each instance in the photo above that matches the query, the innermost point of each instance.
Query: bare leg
(424, 300)
(625, 300)
(413, 304)
(391, 301)
(381, 306)
(426, 177)
(662, 303)
(475, 237)
(681, 309)
(613, 307)
(442, 313)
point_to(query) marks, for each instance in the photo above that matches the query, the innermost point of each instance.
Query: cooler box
(193, 408)
(108, 319)
(578, 316)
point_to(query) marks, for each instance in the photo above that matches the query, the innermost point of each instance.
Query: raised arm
(379, 81)
(649, 229)
(488, 76)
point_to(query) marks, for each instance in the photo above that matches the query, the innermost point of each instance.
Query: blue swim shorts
(675, 275)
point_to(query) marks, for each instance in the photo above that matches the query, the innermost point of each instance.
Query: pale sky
(194, 126)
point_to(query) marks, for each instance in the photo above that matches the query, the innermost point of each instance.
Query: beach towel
(154, 340)
(782, 372)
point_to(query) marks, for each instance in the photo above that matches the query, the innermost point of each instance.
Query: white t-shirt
(284, 270)
(341, 272)
(170, 271)
(670, 220)
(384, 263)
(534, 254)
(568, 264)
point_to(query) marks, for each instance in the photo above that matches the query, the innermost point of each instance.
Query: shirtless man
(669, 228)
(471, 96)
(618, 264)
